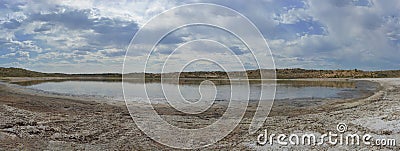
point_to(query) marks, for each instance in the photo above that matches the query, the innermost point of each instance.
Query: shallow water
(193, 91)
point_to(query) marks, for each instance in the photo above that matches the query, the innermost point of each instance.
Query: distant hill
(252, 74)
(19, 72)
(303, 73)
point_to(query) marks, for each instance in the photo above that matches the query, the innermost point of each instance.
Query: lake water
(285, 89)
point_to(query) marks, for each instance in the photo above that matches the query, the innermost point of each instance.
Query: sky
(93, 36)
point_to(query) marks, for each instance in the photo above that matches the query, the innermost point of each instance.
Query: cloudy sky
(92, 36)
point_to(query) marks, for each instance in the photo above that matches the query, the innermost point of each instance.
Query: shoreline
(359, 92)
(68, 123)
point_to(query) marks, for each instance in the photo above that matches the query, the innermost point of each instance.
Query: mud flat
(34, 121)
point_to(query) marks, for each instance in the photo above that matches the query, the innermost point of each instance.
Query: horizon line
(202, 71)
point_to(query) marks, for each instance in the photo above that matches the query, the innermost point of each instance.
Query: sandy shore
(48, 122)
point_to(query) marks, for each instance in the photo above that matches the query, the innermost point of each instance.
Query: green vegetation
(252, 74)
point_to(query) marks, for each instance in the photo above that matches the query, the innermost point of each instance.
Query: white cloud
(313, 34)
(293, 15)
(356, 36)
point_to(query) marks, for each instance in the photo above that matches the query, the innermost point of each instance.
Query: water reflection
(194, 81)
(285, 89)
